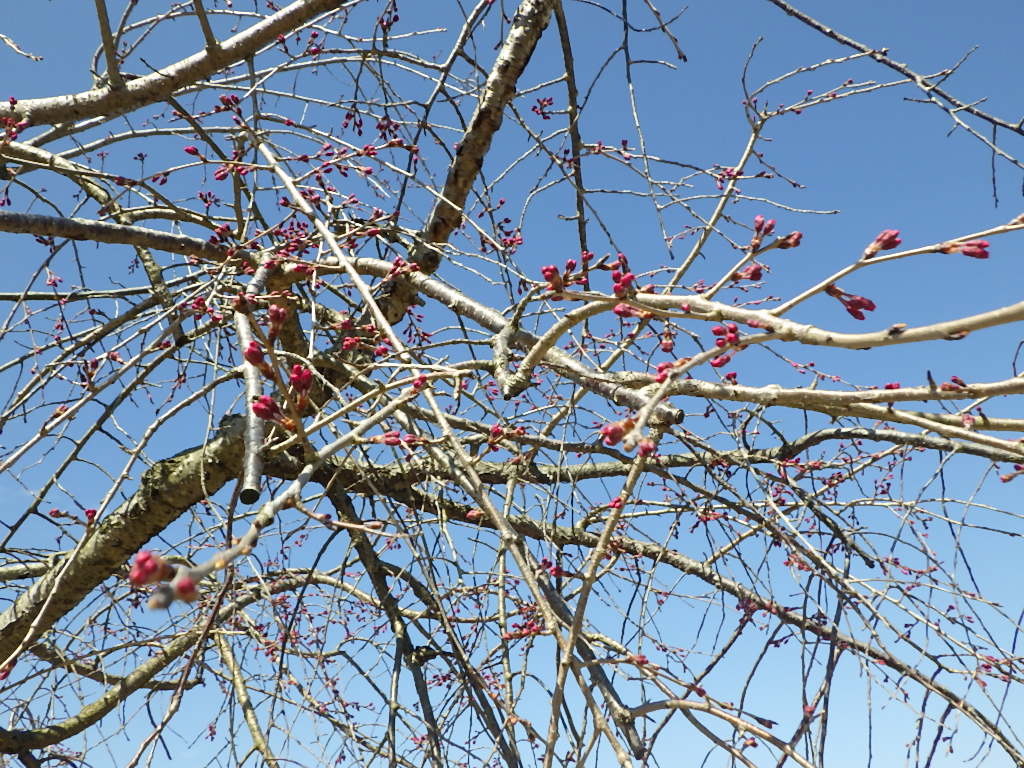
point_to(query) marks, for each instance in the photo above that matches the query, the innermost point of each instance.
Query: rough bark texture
(166, 490)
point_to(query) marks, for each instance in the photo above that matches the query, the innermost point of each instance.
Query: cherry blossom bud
(886, 240)
(277, 314)
(976, 249)
(749, 272)
(301, 378)
(553, 276)
(185, 588)
(149, 568)
(253, 353)
(792, 240)
(392, 437)
(612, 433)
(265, 408)
(191, 150)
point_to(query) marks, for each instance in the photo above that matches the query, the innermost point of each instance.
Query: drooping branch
(656, 552)
(14, 741)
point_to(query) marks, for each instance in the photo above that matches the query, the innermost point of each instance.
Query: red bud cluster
(727, 334)
(253, 353)
(622, 282)
(276, 314)
(149, 568)
(553, 276)
(792, 240)
(976, 249)
(886, 240)
(762, 228)
(752, 272)
(613, 433)
(265, 408)
(301, 379)
(855, 305)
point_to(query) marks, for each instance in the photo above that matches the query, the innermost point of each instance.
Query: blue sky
(881, 160)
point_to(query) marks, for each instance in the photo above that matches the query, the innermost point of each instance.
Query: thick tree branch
(157, 86)
(107, 232)
(166, 490)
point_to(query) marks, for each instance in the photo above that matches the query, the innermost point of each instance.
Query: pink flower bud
(855, 305)
(553, 276)
(265, 408)
(185, 588)
(749, 272)
(277, 314)
(392, 437)
(792, 240)
(148, 568)
(301, 378)
(886, 240)
(253, 353)
(976, 249)
(191, 150)
(612, 433)
(646, 447)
